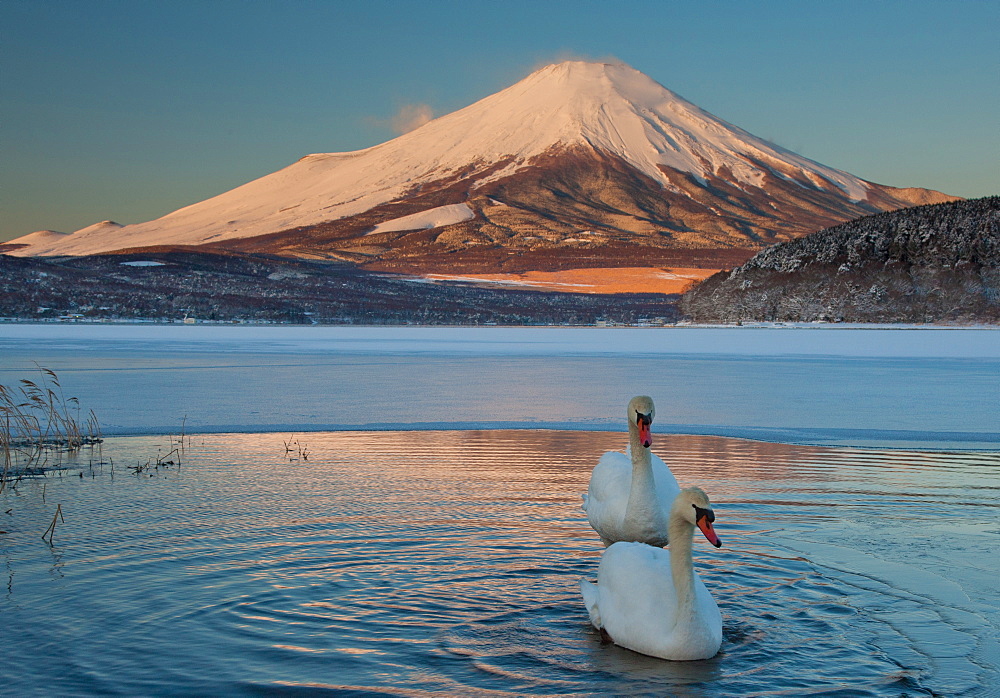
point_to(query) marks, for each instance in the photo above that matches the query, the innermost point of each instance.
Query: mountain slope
(923, 264)
(594, 160)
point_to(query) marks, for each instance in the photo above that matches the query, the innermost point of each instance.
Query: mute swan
(651, 600)
(629, 495)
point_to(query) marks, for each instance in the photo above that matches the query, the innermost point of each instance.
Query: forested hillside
(936, 263)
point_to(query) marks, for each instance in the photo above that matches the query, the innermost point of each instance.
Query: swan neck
(642, 490)
(681, 534)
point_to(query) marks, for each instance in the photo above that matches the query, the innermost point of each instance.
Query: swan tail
(591, 595)
(586, 501)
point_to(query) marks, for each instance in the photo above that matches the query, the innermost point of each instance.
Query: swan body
(630, 494)
(651, 600)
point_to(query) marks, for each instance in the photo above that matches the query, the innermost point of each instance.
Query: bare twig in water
(162, 461)
(52, 526)
(294, 446)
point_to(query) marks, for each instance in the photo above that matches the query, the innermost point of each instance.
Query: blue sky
(128, 110)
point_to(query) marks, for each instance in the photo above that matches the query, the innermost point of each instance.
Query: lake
(827, 385)
(421, 532)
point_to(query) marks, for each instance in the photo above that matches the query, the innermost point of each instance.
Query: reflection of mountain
(540, 465)
(578, 165)
(922, 264)
(714, 459)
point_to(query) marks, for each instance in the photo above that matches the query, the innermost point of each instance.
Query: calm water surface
(447, 562)
(932, 389)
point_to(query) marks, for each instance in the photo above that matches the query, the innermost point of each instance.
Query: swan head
(692, 504)
(640, 413)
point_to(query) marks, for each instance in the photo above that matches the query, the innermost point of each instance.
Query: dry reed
(39, 425)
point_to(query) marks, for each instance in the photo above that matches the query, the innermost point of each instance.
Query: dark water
(446, 562)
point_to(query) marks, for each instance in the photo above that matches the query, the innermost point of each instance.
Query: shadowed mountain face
(579, 165)
(924, 264)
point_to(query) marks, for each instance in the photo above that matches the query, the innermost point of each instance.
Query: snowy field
(888, 386)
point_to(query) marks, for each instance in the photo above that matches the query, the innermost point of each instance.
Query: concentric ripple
(433, 563)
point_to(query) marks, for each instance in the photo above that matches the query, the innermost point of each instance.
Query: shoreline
(683, 324)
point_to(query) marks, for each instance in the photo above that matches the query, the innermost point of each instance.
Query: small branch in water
(139, 467)
(161, 461)
(52, 526)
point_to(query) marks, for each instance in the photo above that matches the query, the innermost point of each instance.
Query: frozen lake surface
(927, 388)
(447, 563)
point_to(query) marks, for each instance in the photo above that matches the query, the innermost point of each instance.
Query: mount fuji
(579, 165)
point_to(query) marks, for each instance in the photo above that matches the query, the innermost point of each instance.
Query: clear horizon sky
(130, 110)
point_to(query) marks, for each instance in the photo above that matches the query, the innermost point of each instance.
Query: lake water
(438, 549)
(415, 563)
(926, 388)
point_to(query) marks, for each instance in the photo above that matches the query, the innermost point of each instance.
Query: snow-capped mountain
(580, 160)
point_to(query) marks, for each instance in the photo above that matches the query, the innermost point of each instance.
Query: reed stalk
(38, 423)
(50, 531)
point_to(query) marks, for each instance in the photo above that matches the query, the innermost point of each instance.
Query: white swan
(651, 600)
(629, 495)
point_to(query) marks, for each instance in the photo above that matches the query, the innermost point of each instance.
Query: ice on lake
(927, 387)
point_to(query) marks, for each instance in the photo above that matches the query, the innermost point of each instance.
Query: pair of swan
(648, 599)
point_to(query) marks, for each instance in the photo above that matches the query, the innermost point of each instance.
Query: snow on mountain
(426, 220)
(101, 228)
(40, 237)
(46, 239)
(609, 109)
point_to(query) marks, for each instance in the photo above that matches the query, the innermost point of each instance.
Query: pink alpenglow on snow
(426, 220)
(609, 109)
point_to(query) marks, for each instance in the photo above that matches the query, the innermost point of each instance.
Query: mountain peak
(681, 156)
(618, 110)
(585, 72)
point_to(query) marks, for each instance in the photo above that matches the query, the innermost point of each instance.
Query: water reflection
(418, 562)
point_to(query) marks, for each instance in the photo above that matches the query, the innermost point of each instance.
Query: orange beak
(645, 435)
(706, 527)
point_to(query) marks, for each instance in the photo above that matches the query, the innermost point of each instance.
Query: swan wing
(607, 494)
(591, 599)
(637, 596)
(666, 485)
(611, 477)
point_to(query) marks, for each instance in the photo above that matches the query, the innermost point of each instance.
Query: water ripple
(446, 563)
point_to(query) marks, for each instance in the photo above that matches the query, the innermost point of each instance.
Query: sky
(127, 110)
